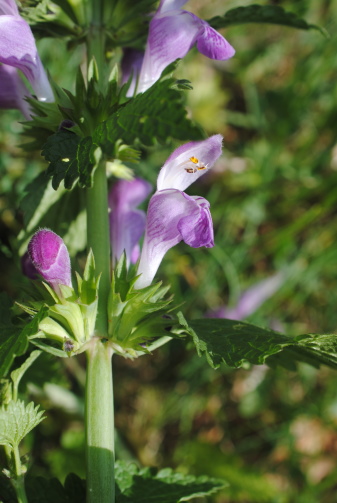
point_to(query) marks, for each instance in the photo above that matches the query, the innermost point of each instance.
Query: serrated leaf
(165, 486)
(17, 420)
(69, 158)
(157, 114)
(236, 342)
(270, 14)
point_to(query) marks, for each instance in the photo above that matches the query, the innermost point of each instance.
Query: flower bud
(50, 258)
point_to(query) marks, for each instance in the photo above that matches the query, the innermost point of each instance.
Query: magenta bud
(28, 267)
(50, 258)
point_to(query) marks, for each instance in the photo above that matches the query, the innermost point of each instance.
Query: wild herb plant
(124, 99)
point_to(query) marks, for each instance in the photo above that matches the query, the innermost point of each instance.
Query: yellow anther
(194, 160)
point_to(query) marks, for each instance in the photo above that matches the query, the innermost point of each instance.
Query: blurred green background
(270, 432)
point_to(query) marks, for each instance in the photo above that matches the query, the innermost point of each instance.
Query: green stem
(96, 39)
(99, 424)
(99, 412)
(99, 241)
(18, 482)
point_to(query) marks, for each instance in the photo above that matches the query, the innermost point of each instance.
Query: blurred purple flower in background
(251, 299)
(172, 33)
(50, 257)
(174, 216)
(127, 224)
(18, 50)
(13, 90)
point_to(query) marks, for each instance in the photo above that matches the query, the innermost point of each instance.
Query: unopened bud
(50, 258)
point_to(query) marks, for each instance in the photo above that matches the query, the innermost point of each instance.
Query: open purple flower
(172, 33)
(127, 224)
(174, 216)
(18, 49)
(50, 257)
(13, 90)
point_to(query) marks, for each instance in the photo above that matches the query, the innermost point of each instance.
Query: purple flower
(127, 224)
(13, 90)
(18, 49)
(174, 216)
(251, 299)
(131, 64)
(172, 33)
(50, 257)
(28, 267)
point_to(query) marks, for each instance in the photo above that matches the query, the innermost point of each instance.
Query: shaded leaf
(270, 14)
(68, 157)
(236, 342)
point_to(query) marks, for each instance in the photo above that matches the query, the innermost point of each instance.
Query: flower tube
(174, 216)
(127, 224)
(172, 33)
(18, 49)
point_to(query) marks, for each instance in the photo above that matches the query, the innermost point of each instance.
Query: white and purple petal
(171, 35)
(213, 45)
(179, 171)
(127, 224)
(18, 49)
(172, 216)
(8, 7)
(169, 5)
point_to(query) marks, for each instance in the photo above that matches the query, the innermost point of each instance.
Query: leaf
(149, 486)
(18, 373)
(271, 14)
(7, 491)
(12, 341)
(69, 157)
(39, 197)
(157, 114)
(236, 342)
(41, 490)
(17, 420)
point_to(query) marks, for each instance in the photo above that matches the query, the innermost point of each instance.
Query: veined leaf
(269, 14)
(236, 342)
(17, 420)
(149, 486)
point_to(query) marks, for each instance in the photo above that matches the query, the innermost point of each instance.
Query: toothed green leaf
(17, 420)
